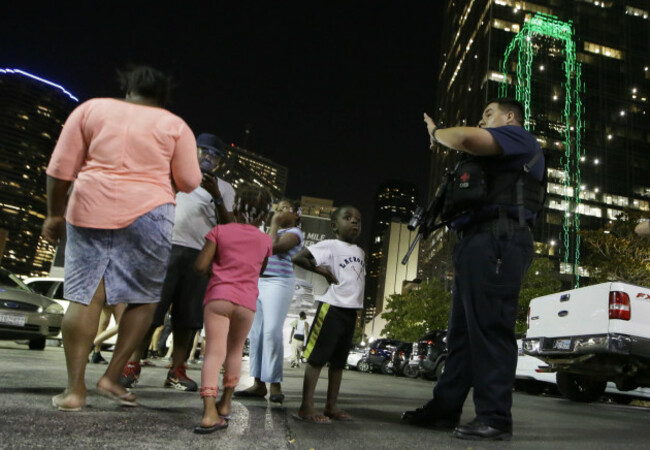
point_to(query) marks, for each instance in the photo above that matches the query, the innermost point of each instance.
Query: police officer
(494, 251)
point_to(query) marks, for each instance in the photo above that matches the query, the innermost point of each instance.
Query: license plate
(16, 320)
(562, 344)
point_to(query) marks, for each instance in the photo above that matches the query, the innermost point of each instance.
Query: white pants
(266, 343)
(296, 350)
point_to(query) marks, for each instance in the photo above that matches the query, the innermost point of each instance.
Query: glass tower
(612, 47)
(31, 117)
(395, 200)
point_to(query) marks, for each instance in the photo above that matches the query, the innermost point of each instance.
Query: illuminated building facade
(395, 201)
(612, 48)
(393, 274)
(317, 207)
(32, 115)
(246, 166)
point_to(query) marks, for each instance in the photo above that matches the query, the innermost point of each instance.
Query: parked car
(431, 354)
(401, 357)
(52, 287)
(26, 315)
(355, 355)
(379, 354)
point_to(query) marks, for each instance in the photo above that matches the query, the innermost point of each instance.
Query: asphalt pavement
(165, 418)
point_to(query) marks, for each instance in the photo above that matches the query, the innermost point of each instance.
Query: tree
(616, 253)
(411, 314)
(541, 279)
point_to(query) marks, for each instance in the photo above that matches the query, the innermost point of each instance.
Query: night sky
(332, 90)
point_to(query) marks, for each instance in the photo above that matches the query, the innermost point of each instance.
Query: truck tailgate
(578, 312)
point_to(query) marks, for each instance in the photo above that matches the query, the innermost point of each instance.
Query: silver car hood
(19, 295)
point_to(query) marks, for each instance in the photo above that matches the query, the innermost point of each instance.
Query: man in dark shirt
(493, 253)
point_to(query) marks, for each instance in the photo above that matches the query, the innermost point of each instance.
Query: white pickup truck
(592, 335)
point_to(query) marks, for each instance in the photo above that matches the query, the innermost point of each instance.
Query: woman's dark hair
(253, 202)
(147, 82)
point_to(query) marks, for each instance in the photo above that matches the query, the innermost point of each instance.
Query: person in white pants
(299, 330)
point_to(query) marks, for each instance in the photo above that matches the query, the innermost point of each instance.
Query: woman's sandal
(211, 392)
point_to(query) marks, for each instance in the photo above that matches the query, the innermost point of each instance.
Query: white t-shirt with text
(347, 264)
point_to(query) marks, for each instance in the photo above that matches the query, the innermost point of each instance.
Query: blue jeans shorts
(132, 260)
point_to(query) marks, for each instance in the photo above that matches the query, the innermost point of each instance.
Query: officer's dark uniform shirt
(519, 147)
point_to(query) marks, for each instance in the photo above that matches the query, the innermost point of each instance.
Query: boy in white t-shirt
(342, 263)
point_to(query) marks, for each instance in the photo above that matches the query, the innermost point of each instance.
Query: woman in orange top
(126, 158)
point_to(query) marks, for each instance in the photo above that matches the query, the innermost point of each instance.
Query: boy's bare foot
(310, 415)
(116, 391)
(69, 402)
(337, 414)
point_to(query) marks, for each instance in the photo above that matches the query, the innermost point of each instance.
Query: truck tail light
(619, 305)
(528, 319)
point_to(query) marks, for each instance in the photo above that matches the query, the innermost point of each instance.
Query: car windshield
(10, 280)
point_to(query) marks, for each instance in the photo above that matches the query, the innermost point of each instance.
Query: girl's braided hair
(253, 202)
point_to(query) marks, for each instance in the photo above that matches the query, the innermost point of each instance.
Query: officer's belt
(499, 227)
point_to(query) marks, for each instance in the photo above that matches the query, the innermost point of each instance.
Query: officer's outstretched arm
(476, 141)
(473, 140)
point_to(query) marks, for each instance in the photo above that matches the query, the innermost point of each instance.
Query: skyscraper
(244, 165)
(395, 201)
(605, 94)
(32, 114)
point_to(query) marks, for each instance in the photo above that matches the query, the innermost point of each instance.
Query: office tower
(246, 166)
(606, 92)
(394, 201)
(32, 114)
(392, 274)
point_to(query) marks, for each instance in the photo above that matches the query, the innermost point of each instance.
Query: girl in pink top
(234, 256)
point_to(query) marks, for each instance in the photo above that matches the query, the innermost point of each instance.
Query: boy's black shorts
(183, 290)
(330, 336)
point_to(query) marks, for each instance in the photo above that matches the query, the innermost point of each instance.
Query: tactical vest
(471, 189)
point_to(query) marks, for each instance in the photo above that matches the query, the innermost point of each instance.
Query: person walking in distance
(196, 214)
(234, 256)
(299, 329)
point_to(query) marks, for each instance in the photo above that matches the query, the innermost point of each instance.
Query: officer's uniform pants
(482, 347)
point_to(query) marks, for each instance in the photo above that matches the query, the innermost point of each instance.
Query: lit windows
(616, 200)
(505, 25)
(636, 12)
(598, 49)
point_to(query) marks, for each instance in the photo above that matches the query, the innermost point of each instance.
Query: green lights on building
(538, 27)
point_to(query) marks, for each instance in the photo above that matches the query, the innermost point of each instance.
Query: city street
(165, 418)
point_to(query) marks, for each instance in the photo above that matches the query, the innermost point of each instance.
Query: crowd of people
(152, 230)
(150, 226)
